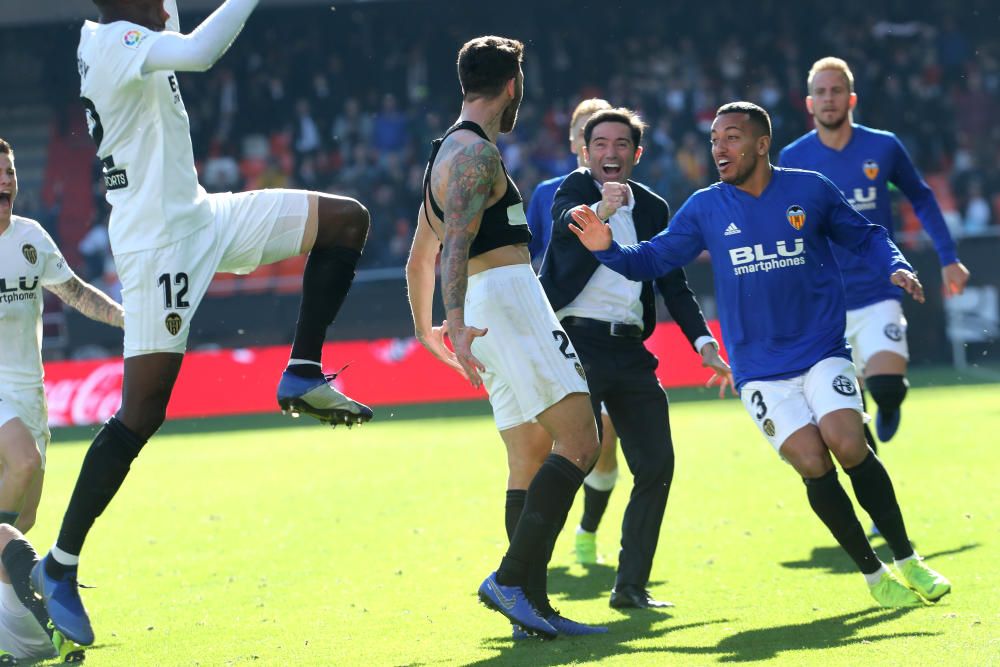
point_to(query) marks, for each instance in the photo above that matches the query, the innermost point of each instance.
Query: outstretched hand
(722, 375)
(593, 233)
(461, 339)
(434, 342)
(908, 281)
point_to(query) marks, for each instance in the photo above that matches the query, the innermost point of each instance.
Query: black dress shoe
(634, 597)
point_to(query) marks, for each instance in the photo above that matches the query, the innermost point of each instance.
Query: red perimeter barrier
(382, 372)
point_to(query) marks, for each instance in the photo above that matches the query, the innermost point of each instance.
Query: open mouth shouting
(611, 170)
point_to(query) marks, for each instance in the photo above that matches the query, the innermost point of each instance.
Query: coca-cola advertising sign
(389, 371)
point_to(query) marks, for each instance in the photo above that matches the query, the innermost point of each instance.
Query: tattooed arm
(473, 169)
(420, 279)
(90, 301)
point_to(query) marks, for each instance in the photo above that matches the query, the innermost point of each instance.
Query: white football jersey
(29, 260)
(143, 139)
(20, 633)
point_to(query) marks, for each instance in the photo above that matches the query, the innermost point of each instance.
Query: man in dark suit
(607, 317)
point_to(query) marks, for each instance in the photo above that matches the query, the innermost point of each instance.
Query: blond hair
(587, 108)
(831, 63)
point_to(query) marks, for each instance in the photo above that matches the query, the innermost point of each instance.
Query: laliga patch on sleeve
(132, 38)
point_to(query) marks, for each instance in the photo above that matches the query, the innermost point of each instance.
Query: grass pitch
(304, 546)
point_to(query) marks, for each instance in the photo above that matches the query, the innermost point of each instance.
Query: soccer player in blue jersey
(781, 302)
(600, 482)
(862, 162)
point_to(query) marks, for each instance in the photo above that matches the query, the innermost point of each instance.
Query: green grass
(302, 546)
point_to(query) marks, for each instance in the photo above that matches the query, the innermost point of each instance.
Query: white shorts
(530, 362)
(880, 327)
(782, 407)
(20, 633)
(162, 287)
(29, 406)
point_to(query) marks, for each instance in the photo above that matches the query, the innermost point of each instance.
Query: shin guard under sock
(830, 503)
(875, 494)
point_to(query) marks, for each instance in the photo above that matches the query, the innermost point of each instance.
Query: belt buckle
(617, 329)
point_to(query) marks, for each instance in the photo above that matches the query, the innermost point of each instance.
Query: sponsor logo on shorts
(796, 216)
(768, 427)
(893, 332)
(29, 253)
(844, 385)
(173, 323)
(579, 370)
(132, 38)
(871, 169)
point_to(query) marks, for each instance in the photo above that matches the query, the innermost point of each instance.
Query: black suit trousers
(621, 374)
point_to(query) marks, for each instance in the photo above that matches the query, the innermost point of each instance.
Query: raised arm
(90, 301)
(420, 282)
(199, 50)
(473, 168)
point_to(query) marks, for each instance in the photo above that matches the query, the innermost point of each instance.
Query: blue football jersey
(779, 290)
(863, 170)
(540, 215)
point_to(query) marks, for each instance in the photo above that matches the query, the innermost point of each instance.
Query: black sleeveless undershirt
(504, 222)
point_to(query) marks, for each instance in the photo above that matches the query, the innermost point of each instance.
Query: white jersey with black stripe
(143, 138)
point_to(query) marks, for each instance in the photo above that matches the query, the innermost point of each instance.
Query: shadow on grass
(646, 625)
(824, 633)
(835, 560)
(594, 583)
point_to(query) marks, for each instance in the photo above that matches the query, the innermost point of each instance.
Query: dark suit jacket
(568, 265)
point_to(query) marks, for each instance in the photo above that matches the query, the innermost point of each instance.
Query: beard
(508, 119)
(835, 124)
(741, 176)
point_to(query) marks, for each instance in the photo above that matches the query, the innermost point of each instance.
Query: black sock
(18, 558)
(549, 498)
(536, 588)
(831, 504)
(875, 494)
(325, 282)
(869, 436)
(513, 509)
(104, 469)
(594, 504)
(9, 517)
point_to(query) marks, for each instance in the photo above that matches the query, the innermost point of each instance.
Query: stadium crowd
(284, 108)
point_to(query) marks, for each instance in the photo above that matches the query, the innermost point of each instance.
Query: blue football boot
(316, 397)
(886, 427)
(512, 603)
(570, 628)
(62, 600)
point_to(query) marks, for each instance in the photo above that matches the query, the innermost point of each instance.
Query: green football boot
(891, 593)
(69, 650)
(586, 548)
(930, 584)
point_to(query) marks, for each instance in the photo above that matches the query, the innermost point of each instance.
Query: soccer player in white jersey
(29, 261)
(169, 238)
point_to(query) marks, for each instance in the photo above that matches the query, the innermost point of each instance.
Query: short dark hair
(758, 116)
(6, 148)
(486, 64)
(619, 115)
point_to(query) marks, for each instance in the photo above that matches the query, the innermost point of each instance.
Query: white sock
(579, 529)
(913, 556)
(63, 557)
(876, 576)
(297, 362)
